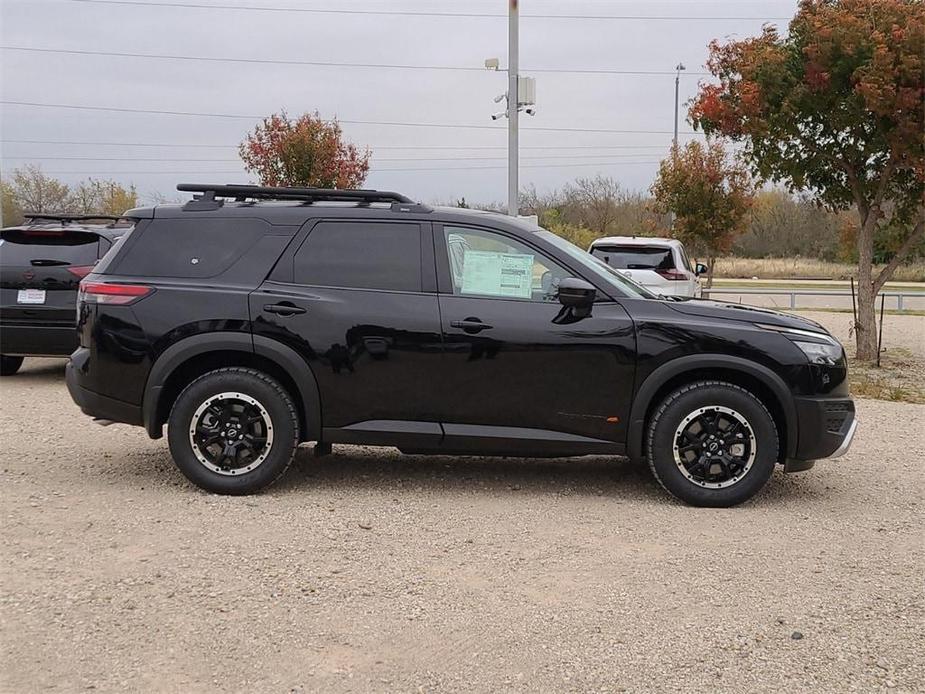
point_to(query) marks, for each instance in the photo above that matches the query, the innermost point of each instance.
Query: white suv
(661, 265)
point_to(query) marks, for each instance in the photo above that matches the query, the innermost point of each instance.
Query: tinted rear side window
(361, 255)
(37, 248)
(196, 248)
(635, 257)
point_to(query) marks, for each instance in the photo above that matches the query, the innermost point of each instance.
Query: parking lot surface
(370, 571)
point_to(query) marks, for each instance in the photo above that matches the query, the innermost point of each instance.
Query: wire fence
(904, 300)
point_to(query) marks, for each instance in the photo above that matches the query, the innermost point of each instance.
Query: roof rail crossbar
(66, 217)
(239, 192)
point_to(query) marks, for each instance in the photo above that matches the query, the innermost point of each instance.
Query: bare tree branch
(918, 232)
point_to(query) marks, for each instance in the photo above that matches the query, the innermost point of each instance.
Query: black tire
(698, 483)
(267, 399)
(9, 365)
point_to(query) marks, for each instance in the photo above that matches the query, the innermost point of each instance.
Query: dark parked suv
(41, 263)
(252, 319)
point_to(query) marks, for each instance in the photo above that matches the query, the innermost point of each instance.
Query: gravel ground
(368, 571)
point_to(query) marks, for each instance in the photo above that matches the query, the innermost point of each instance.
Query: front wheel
(712, 443)
(9, 365)
(233, 431)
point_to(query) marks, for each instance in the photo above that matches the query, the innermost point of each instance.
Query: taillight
(80, 271)
(673, 275)
(113, 294)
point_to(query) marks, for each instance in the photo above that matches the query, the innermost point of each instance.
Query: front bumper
(826, 427)
(93, 404)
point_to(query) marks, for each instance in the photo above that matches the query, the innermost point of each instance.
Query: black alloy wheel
(233, 430)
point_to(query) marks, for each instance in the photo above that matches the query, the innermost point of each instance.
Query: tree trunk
(711, 265)
(865, 329)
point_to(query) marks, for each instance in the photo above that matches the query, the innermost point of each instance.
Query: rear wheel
(712, 443)
(9, 365)
(233, 431)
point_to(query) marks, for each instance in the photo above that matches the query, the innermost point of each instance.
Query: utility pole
(674, 140)
(677, 82)
(521, 93)
(513, 106)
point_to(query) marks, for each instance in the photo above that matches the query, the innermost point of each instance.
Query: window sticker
(497, 274)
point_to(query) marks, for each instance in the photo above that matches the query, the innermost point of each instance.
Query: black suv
(252, 319)
(41, 263)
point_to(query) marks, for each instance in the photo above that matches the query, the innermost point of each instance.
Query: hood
(751, 314)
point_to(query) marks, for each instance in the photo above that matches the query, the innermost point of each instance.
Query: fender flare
(283, 356)
(695, 362)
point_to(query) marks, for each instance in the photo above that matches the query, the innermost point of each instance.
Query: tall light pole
(520, 94)
(677, 82)
(513, 105)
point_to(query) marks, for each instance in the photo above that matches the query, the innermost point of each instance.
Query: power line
(525, 166)
(317, 63)
(375, 158)
(372, 171)
(409, 13)
(344, 121)
(115, 144)
(373, 147)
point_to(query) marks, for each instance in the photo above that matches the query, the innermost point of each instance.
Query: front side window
(483, 263)
(361, 255)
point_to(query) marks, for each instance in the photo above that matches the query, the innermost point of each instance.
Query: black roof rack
(210, 194)
(65, 217)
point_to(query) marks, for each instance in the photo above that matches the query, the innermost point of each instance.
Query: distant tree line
(27, 189)
(778, 225)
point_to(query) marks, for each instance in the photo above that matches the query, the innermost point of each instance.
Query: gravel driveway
(368, 571)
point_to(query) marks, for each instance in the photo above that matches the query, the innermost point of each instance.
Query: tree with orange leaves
(307, 151)
(710, 195)
(835, 108)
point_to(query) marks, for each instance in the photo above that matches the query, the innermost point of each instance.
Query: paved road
(368, 571)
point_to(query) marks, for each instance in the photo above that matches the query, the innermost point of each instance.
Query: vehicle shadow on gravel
(41, 371)
(386, 470)
(587, 476)
(611, 477)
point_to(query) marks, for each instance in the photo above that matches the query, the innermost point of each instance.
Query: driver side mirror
(700, 269)
(576, 293)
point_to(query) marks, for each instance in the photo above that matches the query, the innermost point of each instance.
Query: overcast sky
(406, 158)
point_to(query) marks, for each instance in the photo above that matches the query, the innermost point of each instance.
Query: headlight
(820, 353)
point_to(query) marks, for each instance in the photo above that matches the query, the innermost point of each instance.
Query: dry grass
(899, 377)
(806, 268)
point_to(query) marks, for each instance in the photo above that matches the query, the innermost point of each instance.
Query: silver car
(660, 265)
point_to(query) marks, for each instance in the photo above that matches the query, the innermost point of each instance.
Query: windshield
(624, 285)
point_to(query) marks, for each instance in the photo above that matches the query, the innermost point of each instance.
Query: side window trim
(428, 259)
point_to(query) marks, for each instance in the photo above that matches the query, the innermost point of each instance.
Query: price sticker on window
(498, 274)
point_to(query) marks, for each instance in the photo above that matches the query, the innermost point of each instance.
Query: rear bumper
(827, 427)
(37, 340)
(91, 403)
